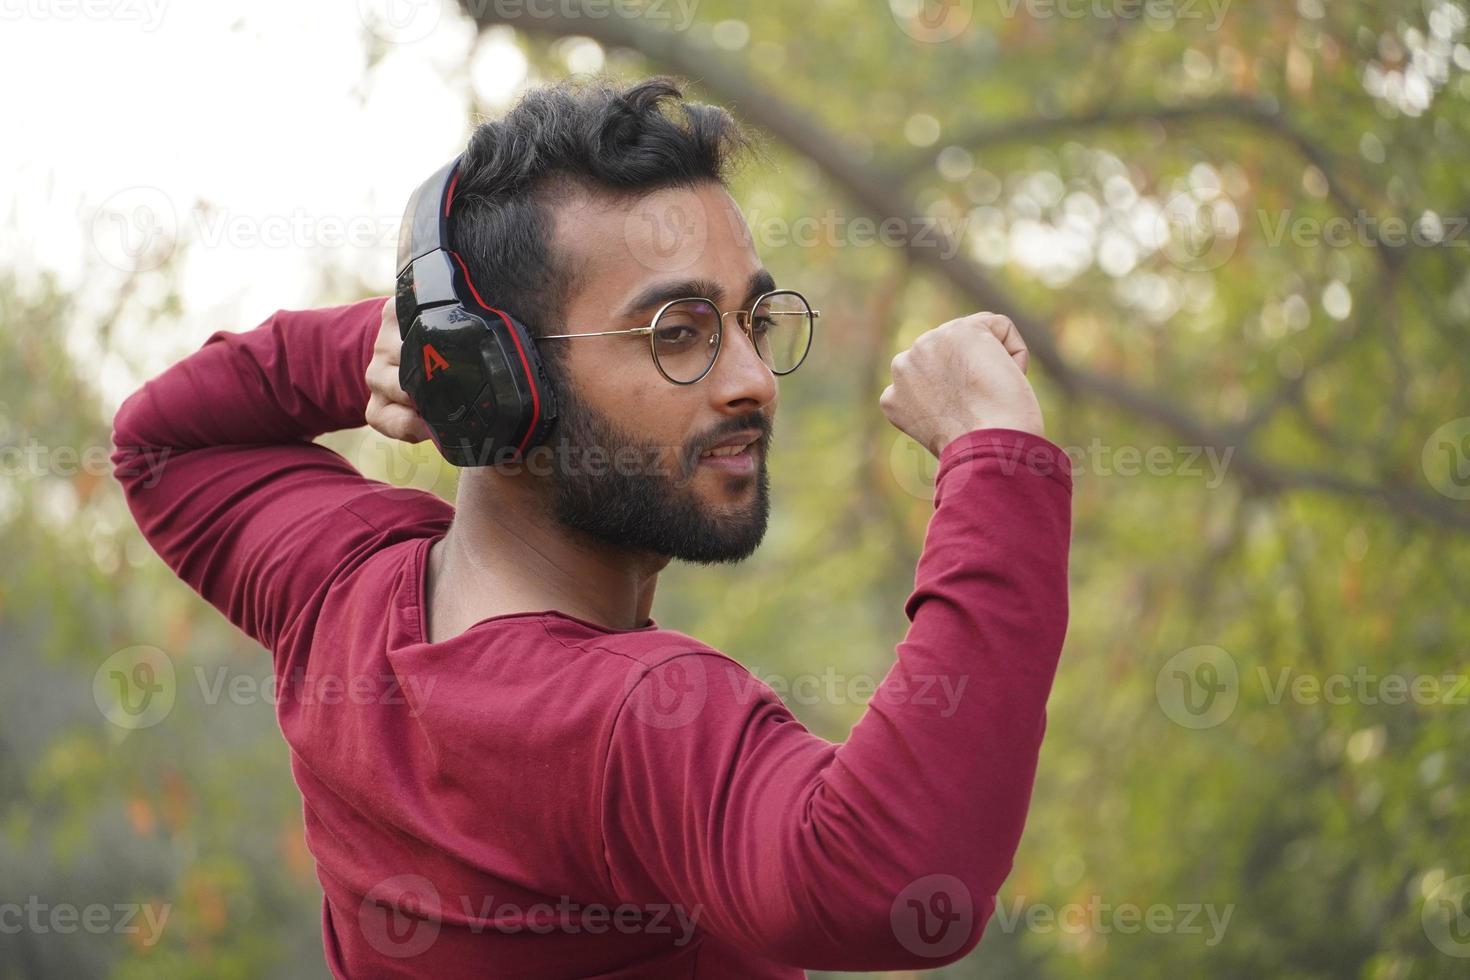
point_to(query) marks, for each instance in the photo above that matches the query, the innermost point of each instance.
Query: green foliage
(1324, 554)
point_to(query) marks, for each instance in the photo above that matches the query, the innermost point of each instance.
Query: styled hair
(598, 137)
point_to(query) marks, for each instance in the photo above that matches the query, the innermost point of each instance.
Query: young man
(522, 774)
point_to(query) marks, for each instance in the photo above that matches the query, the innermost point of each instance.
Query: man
(521, 773)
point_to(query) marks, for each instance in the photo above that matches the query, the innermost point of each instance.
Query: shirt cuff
(1018, 451)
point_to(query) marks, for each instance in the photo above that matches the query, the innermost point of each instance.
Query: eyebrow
(662, 292)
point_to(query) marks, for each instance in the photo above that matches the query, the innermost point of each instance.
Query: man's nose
(740, 379)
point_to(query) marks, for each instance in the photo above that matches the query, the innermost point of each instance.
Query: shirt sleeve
(217, 464)
(886, 851)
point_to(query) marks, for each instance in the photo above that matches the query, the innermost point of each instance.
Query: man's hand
(966, 374)
(389, 409)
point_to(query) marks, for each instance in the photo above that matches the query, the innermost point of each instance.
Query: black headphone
(472, 370)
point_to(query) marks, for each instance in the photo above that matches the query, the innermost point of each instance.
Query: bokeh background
(1233, 232)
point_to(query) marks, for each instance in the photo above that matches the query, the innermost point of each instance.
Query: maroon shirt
(541, 796)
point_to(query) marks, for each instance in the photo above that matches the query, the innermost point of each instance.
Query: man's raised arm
(884, 852)
(216, 461)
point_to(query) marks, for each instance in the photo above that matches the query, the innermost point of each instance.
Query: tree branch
(879, 196)
(1260, 113)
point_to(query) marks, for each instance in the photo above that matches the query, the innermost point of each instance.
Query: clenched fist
(389, 409)
(966, 374)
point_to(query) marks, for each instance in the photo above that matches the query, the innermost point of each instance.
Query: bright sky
(253, 133)
(251, 141)
(254, 136)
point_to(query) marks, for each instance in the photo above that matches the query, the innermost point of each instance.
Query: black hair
(597, 136)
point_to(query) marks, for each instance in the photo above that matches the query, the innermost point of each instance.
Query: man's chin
(704, 522)
(723, 551)
(713, 528)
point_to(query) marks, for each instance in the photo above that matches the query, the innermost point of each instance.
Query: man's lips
(732, 462)
(735, 454)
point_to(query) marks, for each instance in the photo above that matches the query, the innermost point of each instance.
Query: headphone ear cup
(518, 393)
(405, 309)
(440, 369)
(472, 371)
(478, 383)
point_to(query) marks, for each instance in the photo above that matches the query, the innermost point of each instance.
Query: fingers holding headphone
(395, 420)
(382, 381)
(389, 409)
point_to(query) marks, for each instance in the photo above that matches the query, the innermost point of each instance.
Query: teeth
(726, 451)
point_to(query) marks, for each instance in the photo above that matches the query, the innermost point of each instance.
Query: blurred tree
(1235, 239)
(1234, 236)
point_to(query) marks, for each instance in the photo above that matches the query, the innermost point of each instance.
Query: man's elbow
(930, 922)
(136, 462)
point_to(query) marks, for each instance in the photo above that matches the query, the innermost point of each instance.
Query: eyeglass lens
(686, 335)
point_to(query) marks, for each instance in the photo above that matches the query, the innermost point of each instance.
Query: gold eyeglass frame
(744, 325)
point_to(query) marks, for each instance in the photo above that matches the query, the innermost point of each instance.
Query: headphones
(471, 369)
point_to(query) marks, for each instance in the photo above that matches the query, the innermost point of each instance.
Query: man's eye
(763, 324)
(675, 334)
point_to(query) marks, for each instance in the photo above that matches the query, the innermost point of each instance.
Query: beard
(612, 487)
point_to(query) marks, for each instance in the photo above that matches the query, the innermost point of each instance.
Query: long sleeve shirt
(542, 796)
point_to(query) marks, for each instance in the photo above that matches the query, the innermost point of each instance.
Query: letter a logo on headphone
(433, 361)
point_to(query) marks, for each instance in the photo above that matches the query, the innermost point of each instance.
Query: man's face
(652, 490)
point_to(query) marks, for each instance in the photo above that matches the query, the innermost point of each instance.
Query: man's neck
(504, 553)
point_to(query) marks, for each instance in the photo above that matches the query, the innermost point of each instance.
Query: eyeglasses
(686, 334)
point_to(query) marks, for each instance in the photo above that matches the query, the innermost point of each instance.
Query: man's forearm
(217, 465)
(294, 377)
(943, 762)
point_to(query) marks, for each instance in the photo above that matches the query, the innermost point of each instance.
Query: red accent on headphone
(514, 334)
(449, 197)
(433, 360)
